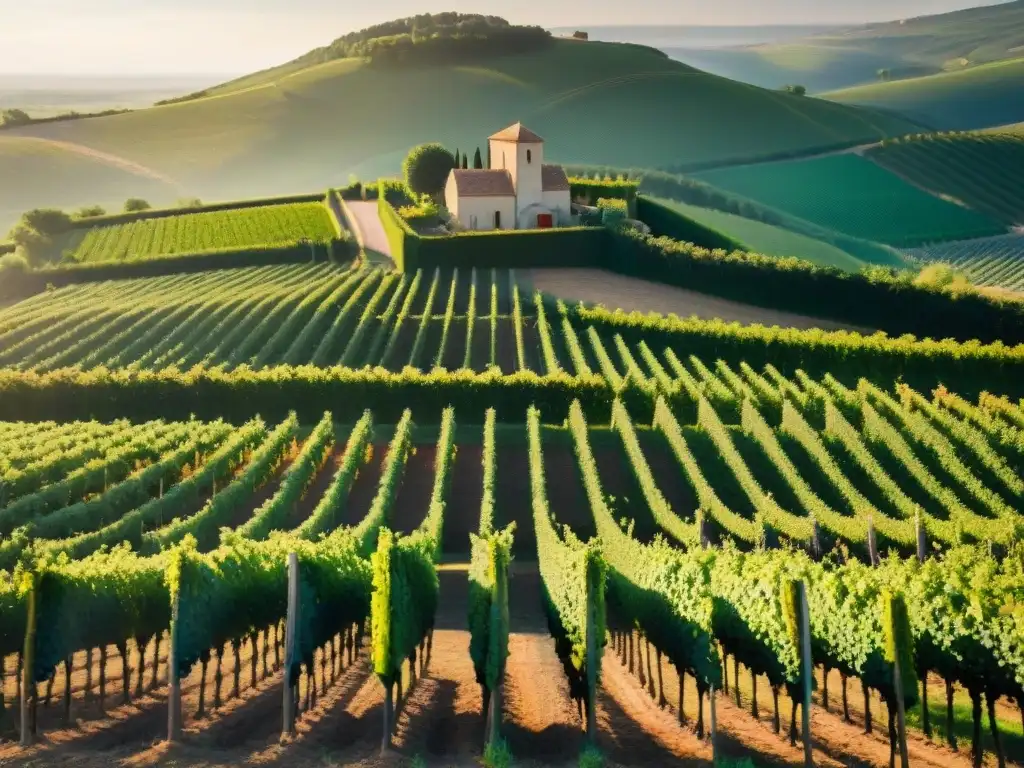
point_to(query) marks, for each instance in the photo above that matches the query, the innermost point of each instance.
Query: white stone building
(518, 191)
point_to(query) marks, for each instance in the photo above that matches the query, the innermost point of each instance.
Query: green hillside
(904, 48)
(980, 97)
(981, 170)
(37, 172)
(850, 194)
(768, 239)
(291, 130)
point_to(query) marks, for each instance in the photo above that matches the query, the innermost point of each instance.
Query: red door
(544, 221)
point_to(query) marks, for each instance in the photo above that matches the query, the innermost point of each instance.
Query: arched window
(529, 156)
(497, 219)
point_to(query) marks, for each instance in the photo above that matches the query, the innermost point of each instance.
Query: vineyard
(992, 261)
(201, 516)
(443, 513)
(852, 195)
(243, 325)
(170, 235)
(974, 168)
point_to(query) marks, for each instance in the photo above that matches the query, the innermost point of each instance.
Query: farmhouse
(518, 191)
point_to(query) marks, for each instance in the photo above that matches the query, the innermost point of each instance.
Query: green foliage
(573, 575)
(591, 757)
(591, 191)
(426, 168)
(10, 118)
(795, 90)
(89, 212)
(195, 233)
(367, 531)
(899, 642)
(13, 263)
(133, 204)
(613, 211)
(664, 221)
(478, 162)
(497, 753)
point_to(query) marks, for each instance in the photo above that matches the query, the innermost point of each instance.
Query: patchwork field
(697, 432)
(853, 195)
(768, 239)
(241, 228)
(995, 261)
(978, 97)
(979, 169)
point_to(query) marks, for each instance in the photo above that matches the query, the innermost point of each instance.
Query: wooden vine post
(498, 635)
(808, 673)
(291, 625)
(595, 603)
(897, 633)
(714, 722)
(173, 682)
(28, 683)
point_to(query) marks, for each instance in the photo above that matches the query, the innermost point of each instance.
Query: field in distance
(288, 130)
(979, 97)
(852, 195)
(907, 48)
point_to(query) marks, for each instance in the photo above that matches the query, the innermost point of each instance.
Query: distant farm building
(518, 191)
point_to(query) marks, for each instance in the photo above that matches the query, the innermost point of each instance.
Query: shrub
(90, 211)
(426, 168)
(189, 202)
(943, 276)
(591, 757)
(133, 204)
(613, 211)
(33, 245)
(13, 262)
(47, 221)
(497, 755)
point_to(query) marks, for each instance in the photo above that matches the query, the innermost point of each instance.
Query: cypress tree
(477, 160)
(465, 161)
(458, 162)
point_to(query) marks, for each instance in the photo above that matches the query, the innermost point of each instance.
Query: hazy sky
(238, 36)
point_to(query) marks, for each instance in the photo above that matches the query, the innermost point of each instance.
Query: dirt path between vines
(597, 286)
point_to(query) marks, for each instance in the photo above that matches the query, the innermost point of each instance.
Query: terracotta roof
(553, 178)
(483, 183)
(518, 133)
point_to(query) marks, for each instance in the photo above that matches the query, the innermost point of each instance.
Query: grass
(909, 48)
(768, 239)
(50, 174)
(978, 168)
(853, 195)
(195, 232)
(978, 97)
(292, 130)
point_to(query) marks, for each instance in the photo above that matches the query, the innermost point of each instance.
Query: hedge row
(667, 222)
(877, 299)
(209, 394)
(595, 189)
(26, 283)
(510, 248)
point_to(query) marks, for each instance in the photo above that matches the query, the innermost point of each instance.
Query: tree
(189, 202)
(478, 162)
(133, 204)
(458, 162)
(13, 262)
(465, 161)
(884, 74)
(90, 211)
(32, 244)
(47, 221)
(14, 117)
(426, 168)
(796, 90)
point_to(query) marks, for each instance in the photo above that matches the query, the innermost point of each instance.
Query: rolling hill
(980, 97)
(914, 47)
(978, 169)
(297, 128)
(767, 238)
